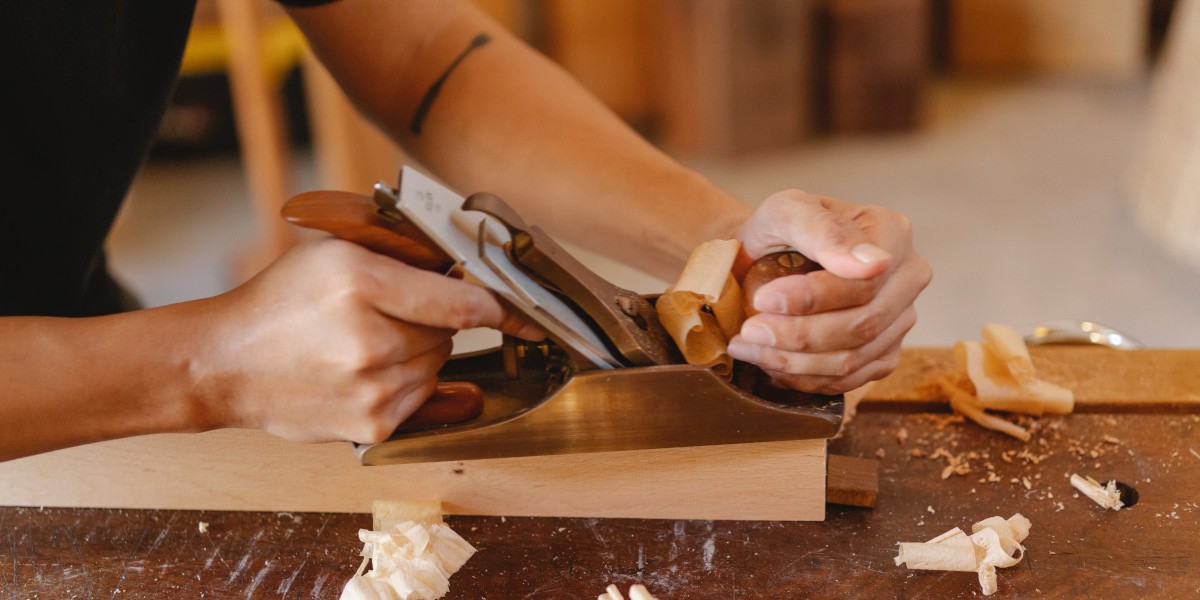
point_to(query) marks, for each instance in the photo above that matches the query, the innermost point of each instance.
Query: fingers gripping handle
(763, 271)
(770, 268)
(355, 218)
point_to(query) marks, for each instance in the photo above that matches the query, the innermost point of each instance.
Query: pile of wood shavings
(998, 374)
(994, 543)
(412, 553)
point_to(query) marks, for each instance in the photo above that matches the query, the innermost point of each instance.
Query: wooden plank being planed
(1104, 380)
(251, 470)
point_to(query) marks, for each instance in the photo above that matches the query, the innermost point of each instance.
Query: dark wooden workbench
(1075, 548)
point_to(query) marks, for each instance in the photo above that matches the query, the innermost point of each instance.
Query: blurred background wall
(1008, 130)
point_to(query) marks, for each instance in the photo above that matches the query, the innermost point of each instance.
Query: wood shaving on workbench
(637, 591)
(1107, 495)
(412, 554)
(994, 542)
(998, 374)
(703, 310)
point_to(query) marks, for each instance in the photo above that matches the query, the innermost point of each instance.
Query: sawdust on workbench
(998, 460)
(940, 435)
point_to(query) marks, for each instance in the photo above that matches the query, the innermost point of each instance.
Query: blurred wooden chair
(255, 42)
(257, 47)
(1166, 186)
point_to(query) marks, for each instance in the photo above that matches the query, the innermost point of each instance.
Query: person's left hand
(834, 330)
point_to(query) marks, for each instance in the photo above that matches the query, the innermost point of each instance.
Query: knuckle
(872, 371)
(808, 384)
(373, 424)
(777, 360)
(832, 387)
(333, 253)
(347, 288)
(373, 396)
(900, 221)
(845, 364)
(373, 352)
(872, 211)
(374, 432)
(788, 196)
(926, 272)
(887, 364)
(794, 338)
(802, 301)
(361, 353)
(831, 227)
(867, 325)
(793, 363)
(463, 311)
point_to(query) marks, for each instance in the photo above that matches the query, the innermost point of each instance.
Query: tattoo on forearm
(418, 121)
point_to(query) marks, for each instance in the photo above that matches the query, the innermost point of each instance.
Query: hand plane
(607, 377)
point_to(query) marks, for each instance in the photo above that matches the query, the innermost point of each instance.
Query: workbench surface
(1074, 549)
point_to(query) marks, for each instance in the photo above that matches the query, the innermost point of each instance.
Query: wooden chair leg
(262, 134)
(351, 153)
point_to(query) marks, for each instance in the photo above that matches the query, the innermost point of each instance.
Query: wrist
(204, 362)
(177, 386)
(706, 212)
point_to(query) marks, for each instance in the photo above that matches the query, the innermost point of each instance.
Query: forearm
(506, 120)
(75, 381)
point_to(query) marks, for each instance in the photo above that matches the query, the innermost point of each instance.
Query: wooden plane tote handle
(355, 218)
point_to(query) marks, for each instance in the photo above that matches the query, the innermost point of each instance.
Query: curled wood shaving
(994, 543)
(1004, 377)
(703, 310)
(997, 388)
(1105, 495)
(410, 559)
(966, 405)
(694, 330)
(998, 374)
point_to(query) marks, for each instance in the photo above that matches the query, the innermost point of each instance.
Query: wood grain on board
(1102, 379)
(251, 470)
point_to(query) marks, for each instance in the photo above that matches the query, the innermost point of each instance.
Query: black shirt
(83, 87)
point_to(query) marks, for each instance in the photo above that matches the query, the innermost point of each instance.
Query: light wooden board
(1103, 379)
(250, 470)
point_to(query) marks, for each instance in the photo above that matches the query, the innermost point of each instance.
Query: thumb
(518, 326)
(818, 227)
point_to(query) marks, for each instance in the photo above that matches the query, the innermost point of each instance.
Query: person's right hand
(334, 342)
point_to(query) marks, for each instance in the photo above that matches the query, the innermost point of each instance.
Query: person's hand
(834, 330)
(334, 342)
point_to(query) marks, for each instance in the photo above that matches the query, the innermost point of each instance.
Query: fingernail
(870, 253)
(757, 334)
(743, 351)
(770, 302)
